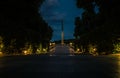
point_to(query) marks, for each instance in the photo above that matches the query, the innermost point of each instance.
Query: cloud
(52, 2)
(56, 17)
(49, 6)
(50, 11)
(59, 15)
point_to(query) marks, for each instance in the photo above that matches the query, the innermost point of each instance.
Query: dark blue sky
(55, 10)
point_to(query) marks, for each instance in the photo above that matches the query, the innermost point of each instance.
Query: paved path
(62, 50)
(60, 66)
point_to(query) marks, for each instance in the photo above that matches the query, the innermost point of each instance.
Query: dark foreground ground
(59, 66)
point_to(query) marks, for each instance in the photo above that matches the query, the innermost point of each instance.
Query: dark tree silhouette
(21, 22)
(102, 28)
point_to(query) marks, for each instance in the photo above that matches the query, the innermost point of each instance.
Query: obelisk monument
(62, 33)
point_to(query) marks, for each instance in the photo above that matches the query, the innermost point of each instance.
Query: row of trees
(102, 28)
(21, 25)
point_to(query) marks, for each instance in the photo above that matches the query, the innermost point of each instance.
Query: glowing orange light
(1, 53)
(25, 52)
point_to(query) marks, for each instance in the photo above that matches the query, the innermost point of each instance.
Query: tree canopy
(21, 22)
(100, 28)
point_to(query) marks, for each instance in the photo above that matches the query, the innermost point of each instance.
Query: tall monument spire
(62, 33)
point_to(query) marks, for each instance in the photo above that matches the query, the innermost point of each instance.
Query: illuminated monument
(62, 33)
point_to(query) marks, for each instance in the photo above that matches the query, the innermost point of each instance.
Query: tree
(78, 26)
(21, 21)
(116, 47)
(101, 27)
(1, 44)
